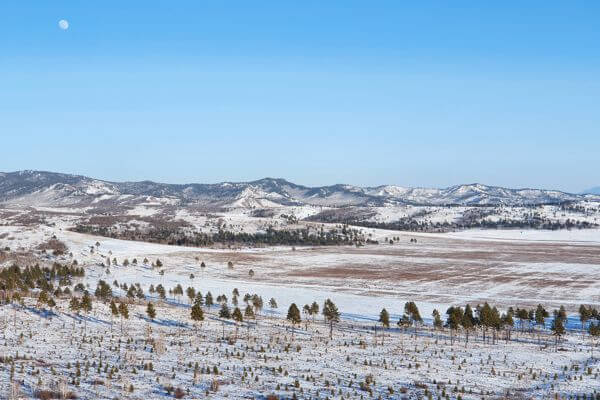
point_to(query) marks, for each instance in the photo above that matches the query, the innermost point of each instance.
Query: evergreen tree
(584, 315)
(103, 290)
(331, 314)
(437, 320)
(237, 315)
(197, 314)
(74, 305)
(540, 315)
(178, 291)
(384, 319)
(42, 298)
(257, 303)
(238, 318)
(191, 294)
(161, 291)
(522, 315)
(249, 312)
(273, 303)
(199, 299)
(224, 311)
(86, 302)
(508, 323)
(306, 310)
(558, 326)
(140, 293)
(293, 315)
(454, 320)
(208, 300)
(314, 309)
(468, 322)
(150, 311)
(411, 309)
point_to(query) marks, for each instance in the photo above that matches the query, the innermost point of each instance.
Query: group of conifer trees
(485, 319)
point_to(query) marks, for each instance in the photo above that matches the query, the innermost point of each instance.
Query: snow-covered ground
(504, 267)
(96, 356)
(572, 236)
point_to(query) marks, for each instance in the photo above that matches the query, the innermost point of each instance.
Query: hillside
(55, 189)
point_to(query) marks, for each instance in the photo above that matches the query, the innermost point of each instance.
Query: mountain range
(56, 189)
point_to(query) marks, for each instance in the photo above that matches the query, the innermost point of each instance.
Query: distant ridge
(57, 189)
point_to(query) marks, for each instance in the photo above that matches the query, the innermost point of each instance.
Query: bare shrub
(50, 395)
(179, 393)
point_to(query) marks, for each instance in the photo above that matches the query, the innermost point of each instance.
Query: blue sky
(422, 94)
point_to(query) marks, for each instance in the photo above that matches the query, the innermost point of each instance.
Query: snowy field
(95, 356)
(573, 236)
(506, 268)
(86, 353)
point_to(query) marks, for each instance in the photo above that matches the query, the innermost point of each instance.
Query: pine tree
(384, 318)
(540, 316)
(331, 314)
(224, 311)
(293, 315)
(273, 303)
(237, 315)
(249, 312)
(86, 302)
(197, 314)
(199, 299)
(150, 311)
(558, 324)
(74, 305)
(178, 291)
(42, 298)
(224, 314)
(584, 315)
(437, 320)
(161, 291)
(454, 320)
(468, 321)
(238, 318)
(508, 323)
(411, 309)
(257, 303)
(208, 300)
(314, 310)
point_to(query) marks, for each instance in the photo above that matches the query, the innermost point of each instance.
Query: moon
(63, 24)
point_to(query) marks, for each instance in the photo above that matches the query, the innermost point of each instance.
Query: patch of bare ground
(56, 246)
(457, 249)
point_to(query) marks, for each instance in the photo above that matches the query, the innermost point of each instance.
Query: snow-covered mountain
(56, 189)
